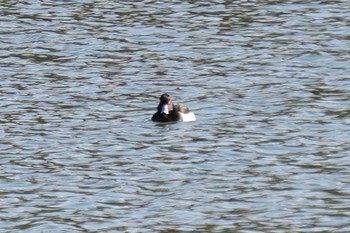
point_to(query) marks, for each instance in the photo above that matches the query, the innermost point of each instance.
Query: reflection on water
(268, 82)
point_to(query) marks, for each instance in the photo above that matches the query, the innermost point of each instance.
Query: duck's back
(181, 108)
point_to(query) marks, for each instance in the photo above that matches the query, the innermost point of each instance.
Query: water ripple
(268, 82)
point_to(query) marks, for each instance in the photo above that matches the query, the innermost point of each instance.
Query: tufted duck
(167, 111)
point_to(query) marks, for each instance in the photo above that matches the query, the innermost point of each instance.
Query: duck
(168, 111)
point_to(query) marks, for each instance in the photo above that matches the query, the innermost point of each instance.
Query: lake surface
(268, 80)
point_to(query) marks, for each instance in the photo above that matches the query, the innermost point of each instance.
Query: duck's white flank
(186, 117)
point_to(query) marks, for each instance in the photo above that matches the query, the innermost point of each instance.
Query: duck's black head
(166, 104)
(165, 98)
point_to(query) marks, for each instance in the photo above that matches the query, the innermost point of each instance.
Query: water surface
(268, 81)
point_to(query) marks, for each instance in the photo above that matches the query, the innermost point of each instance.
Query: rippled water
(268, 81)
